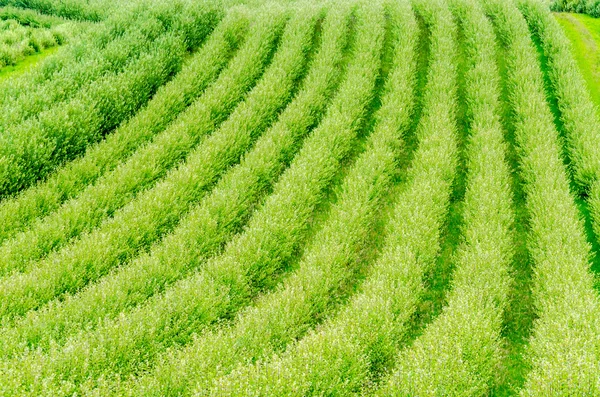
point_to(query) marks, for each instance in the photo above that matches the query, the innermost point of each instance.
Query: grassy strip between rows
(229, 281)
(458, 353)
(170, 100)
(584, 35)
(349, 350)
(564, 349)
(27, 64)
(157, 210)
(98, 184)
(206, 228)
(83, 64)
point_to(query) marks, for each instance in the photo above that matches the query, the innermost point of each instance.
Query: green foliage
(577, 112)
(31, 18)
(155, 211)
(231, 202)
(72, 9)
(34, 148)
(297, 198)
(18, 41)
(268, 155)
(309, 294)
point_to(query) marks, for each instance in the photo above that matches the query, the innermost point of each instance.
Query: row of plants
(94, 203)
(18, 41)
(104, 49)
(328, 267)
(206, 228)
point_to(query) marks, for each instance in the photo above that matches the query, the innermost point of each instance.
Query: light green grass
(26, 64)
(584, 33)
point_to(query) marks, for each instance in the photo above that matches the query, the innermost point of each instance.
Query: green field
(273, 198)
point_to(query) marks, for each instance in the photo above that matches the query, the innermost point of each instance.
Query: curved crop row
(31, 18)
(228, 282)
(206, 228)
(72, 9)
(148, 164)
(134, 170)
(330, 264)
(66, 84)
(341, 357)
(564, 351)
(327, 268)
(88, 44)
(335, 31)
(93, 40)
(459, 352)
(157, 211)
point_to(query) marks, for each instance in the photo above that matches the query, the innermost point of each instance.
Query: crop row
(102, 50)
(266, 157)
(577, 111)
(27, 17)
(36, 147)
(563, 351)
(227, 282)
(591, 7)
(576, 108)
(327, 268)
(73, 9)
(18, 41)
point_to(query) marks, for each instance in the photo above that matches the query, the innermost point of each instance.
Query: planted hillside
(275, 198)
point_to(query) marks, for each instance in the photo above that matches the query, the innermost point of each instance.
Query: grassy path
(584, 33)
(26, 64)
